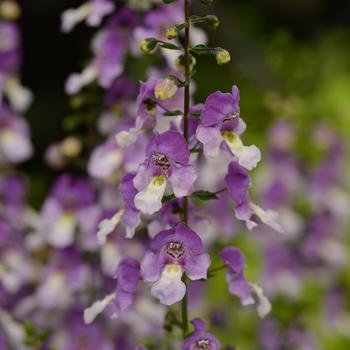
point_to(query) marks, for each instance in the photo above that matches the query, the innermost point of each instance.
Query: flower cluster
(123, 251)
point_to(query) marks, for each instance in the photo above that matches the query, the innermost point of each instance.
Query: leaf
(204, 195)
(172, 113)
(169, 46)
(196, 114)
(168, 198)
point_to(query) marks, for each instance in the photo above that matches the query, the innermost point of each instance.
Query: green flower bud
(180, 63)
(171, 32)
(148, 45)
(222, 57)
(213, 21)
(165, 89)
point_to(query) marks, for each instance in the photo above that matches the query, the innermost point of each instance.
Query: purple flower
(105, 159)
(109, 47)
(200, 339)
(238, 285)
(220, 123)
(146, 113)
(128, 276)
(65, 275)
(131, 217)
(10, 52)
(172, 253)
(238, 182)
(167, 161)
(67, 208)
(92, 11)
(15, 145)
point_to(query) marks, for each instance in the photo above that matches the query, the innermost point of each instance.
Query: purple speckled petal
(200, 338)
(216, 107)
(190, 238)
(172, 144)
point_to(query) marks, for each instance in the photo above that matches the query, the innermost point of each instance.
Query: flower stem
(184, 306)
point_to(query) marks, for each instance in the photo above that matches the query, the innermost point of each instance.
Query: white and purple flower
(200, 339)
(167, 161)
(221, 125)
(128, 276)
(172, 253)
(238, 182)
(239, 286)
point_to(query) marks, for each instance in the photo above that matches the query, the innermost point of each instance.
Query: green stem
(184, 308)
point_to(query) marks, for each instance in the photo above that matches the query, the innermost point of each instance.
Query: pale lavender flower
(238, 182)
(221, 125)
(128, 276)
(167, 161)
(238, 285)
(172, 253)
(15, 144)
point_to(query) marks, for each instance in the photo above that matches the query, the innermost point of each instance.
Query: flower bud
(148, 45)
(180, 63)
(222, 57)
(213, 21)
(9, 10)
(165, 89)
(171, 32)
(71, 147)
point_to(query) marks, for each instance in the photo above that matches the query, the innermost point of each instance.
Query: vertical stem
(184, 308)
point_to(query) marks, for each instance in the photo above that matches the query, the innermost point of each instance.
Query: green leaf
(30, 329)
(204, 195)
(196, 114)
(168, 198)
(172, 113)
(169, 46)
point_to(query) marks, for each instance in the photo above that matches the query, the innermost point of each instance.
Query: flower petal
(211, 139)
(169, 289)
(107, 226)
(197, 266)
(149, 200)
(264, 305)
(96, 308)
(182, 180)
(150, 267)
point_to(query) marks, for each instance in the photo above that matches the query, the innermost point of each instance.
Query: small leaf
(196, 114)
(172, 113)
(168, 198)
(30, 329)
(169, 46)
(204, 195)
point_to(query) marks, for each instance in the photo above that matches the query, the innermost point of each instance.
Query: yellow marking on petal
(233, 141)
(158, 180)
